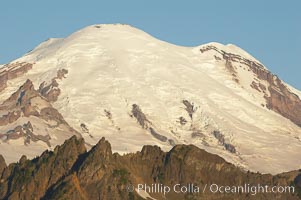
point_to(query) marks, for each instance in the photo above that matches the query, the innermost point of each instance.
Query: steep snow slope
(134, 90)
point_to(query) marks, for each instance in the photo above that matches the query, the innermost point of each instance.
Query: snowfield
(112, 67)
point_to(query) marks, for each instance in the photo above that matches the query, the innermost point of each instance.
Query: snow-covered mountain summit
(119, 82)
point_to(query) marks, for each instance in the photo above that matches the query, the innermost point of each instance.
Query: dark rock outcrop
(182, 121)
(146, 124)
(72, 173)
(140, 116)
(221, 139)
(158, 136)
(52, 91)
(190, 108)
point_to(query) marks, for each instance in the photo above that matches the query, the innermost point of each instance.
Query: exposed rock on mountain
(12, 71)
(279, 98)
(26, 132)
(146, 124)
(26, 110)
(190, 108)
(70, 172)
(283, 101)
(140, 116)
(52, 91)
(221, 139)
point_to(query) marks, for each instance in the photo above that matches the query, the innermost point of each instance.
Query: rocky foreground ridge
(72, 172)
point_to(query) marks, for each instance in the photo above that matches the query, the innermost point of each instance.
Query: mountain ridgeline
(71, 172)
(203, 115)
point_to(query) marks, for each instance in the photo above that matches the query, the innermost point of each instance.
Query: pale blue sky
(270, 30)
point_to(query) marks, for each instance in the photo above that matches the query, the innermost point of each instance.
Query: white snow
(115, 66)
(144, 194)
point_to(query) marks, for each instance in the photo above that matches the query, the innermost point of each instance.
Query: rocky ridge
(278, 96)
(72, 172)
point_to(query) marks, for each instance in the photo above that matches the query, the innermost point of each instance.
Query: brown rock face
(27, 102)
(52, 91)
(284, 102)
(3, 83)
(18, 104)
(72, 173)
(36, 176)
(21, 97)
(25, 131)
(61, 73)
(280, 99)
(9, 118)
(11, 71)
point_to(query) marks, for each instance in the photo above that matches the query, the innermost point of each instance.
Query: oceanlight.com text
(211, 188)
